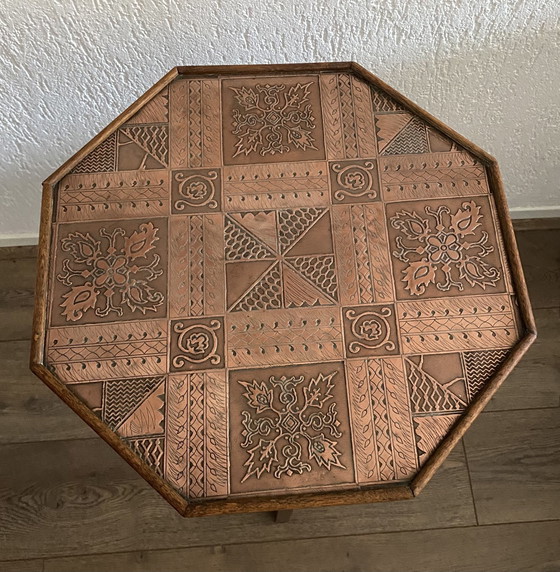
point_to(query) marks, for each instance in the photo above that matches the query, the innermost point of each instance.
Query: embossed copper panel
(261, 283)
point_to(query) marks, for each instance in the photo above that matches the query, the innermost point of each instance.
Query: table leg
(282, 516)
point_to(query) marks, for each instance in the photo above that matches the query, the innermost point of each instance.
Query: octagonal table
(271, 287)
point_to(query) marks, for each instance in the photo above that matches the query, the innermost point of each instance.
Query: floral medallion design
(292, 422)
(354, 181)
(446, 248)
(197, 344)
(298, 427)
(195, 190)
(370, 331)
(111, 273)
(273, 121)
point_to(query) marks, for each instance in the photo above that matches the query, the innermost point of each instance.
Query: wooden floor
(68, 502)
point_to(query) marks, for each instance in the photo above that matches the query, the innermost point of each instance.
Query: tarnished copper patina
(278, 286)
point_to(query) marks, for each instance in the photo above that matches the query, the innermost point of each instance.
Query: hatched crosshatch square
(271, 120)
(289, 428)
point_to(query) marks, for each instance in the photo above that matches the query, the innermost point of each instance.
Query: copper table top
(276, 283)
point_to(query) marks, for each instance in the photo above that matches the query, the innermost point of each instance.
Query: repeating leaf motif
(272, 119)
(290, 419)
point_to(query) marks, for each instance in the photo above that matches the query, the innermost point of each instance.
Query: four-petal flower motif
(115, 268)
(440, 253)
(111, 271)
(443, 248)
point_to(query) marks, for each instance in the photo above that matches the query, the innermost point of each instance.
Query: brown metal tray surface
(278, 286)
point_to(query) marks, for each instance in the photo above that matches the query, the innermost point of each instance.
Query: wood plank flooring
(68, 502)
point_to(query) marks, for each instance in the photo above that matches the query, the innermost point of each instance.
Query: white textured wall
(490, 68)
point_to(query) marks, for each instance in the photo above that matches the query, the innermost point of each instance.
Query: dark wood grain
(282, 516)
(17, 287)
(534, 382)
(504, 548)
(18, 252)
(540, 254)
(521, 224)
(22, 566)
(82, 492)
(514, 462)
(29, 411)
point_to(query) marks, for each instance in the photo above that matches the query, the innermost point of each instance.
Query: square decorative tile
(289, 428)
(110, 271)
(444, 247)
(197, 344)
(280, 259)
(196, 191)
(370, 331)
(354, 181)
(271, 119)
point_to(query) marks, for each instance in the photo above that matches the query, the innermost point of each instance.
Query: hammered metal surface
(277, 284)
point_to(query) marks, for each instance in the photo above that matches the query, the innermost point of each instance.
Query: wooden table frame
(301, 500)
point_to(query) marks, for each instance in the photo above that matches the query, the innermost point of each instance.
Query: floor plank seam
(520, 409)
(280, 540)
(16, 340)
(470, 481)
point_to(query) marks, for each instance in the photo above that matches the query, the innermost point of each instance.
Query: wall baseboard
(19, 240)
(516, 214)
(535, 212)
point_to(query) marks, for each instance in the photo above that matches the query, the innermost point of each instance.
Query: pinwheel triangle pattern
(292, 279)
